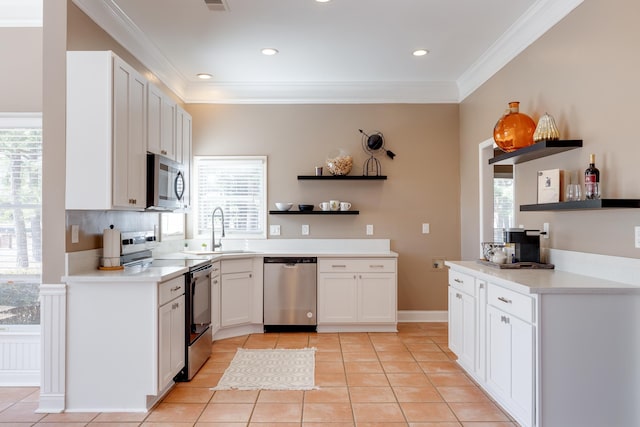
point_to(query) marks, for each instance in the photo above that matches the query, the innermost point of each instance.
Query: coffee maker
(525, 242)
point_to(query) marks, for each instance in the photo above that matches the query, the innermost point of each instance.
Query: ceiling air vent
(217, 5)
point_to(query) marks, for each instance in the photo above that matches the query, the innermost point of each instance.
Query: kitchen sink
(222, 252)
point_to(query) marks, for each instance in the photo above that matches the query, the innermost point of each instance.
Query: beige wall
(584, 72)
(422, 185)
(21, 70)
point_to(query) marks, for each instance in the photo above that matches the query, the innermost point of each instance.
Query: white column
(53, 311)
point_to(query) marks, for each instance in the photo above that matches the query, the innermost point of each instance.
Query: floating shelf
(343, 177)
(536, 151)
(314, 212)
(583, 205)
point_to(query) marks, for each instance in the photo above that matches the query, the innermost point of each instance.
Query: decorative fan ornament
(373, 144)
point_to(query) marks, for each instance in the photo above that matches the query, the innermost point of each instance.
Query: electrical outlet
(274, 230)
(75, 233)
(425, 228)
(637, 231)
(369, 229)
(437, 263)
(305, 229)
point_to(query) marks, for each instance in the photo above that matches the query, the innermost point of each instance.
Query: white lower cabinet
(171, 331)
(462, 331)
(357, 292)
(215, 298)
(236, 292)
(510, 367)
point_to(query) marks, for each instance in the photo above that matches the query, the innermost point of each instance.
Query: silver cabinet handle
(458, 296)
(215, 282)
(504, 319)
(338, 266)
(505, 300)
(177, 288)
(376, 266)
(481, 285)
(458, 281)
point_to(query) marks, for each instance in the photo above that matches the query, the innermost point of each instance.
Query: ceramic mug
(334, 204)
(345, 206)
(325, 206)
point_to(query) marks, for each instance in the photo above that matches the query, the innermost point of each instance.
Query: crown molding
(538, 19)
(323, 93)
(112, 19)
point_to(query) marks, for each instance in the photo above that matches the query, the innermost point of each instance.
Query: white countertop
(129, 274)
(543, 281)
(157, 274)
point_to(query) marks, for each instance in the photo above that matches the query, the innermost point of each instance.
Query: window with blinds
(20, 218)
(238, 186)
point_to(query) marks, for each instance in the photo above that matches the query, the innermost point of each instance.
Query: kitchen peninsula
(550, 346)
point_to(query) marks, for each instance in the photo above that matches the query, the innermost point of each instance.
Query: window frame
(195, 198)
(22, 120)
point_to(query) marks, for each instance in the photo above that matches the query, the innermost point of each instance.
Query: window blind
(238, 186)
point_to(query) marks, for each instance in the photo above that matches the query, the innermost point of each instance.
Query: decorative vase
(546, 129)
(514, 130)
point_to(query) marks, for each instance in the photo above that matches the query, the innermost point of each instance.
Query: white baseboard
(422, 316)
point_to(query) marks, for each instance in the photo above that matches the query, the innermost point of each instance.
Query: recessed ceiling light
(269, 51)
(323, 1)
(204, 76)
(420, 52)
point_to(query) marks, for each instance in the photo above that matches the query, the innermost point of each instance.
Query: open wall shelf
(314, 212)
(583, 205)
(536, 151)
(343, 177)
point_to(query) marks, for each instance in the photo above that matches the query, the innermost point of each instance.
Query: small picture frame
(550, 186)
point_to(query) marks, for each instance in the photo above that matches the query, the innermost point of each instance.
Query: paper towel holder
(110, 262)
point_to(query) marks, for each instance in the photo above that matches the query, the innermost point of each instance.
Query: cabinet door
(161, 123)
(377, 297)
(236, 295)
(164, 345)
(522, 369)
(183, 148)
(455, 321)
(215, 304)
(337, 298)
(177, 335)
(129, 137)
(498, 352)
(462, 327)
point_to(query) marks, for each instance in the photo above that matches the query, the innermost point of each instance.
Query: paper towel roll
(111, 243)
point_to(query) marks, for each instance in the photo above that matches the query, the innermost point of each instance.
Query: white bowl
(284, 206)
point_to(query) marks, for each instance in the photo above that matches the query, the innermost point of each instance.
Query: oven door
(200, 299)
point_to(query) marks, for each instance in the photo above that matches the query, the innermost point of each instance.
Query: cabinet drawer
(462, 282)
(370, 265)
(511, 302)
(215, 269)
(236, 265)
(170, 289)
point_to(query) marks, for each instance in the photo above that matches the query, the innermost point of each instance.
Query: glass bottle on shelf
(592, 179)
(514, 130)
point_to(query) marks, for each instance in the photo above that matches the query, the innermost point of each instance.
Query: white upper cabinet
(106, 133)
(161, 125)
(183, 148)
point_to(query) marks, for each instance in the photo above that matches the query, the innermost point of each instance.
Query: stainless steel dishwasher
(290, 293)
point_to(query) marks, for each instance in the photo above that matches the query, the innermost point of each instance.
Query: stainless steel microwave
(166, 183)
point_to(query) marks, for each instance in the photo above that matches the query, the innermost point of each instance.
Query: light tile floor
(408, 378)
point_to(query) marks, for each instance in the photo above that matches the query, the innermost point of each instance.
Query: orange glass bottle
(514, 130)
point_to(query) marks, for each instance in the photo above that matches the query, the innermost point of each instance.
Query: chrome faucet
(213, 229)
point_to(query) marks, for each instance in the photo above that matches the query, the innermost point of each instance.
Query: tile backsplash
(91, 225)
